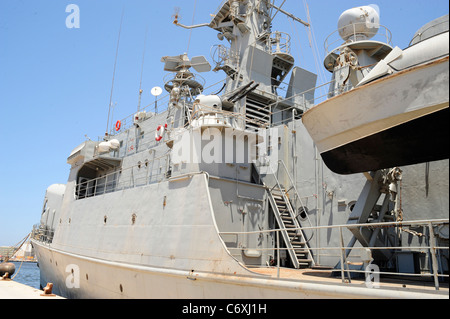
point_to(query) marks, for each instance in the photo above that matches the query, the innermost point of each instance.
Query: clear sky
(55, 82)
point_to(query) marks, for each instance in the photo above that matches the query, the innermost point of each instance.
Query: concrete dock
(10, 289)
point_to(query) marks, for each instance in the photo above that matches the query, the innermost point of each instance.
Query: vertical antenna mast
(142, 70)
(190, 33)
(114, 73)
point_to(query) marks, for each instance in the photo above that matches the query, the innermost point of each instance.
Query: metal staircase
(291, 231)
(285, 214)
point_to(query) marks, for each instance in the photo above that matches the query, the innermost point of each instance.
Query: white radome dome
(364, 20)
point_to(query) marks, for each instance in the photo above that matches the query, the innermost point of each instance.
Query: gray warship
(226, 194)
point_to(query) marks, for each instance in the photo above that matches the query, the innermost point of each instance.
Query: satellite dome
(359, 22)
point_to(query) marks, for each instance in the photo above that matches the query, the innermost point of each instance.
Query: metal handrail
(298, 229)
(112, 182)
(431, 247)
(295, 190)
(419, 34)
(279, 42)
(43, 233)
(383, 33)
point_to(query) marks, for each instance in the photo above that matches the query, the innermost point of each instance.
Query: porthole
(302, 212)
(351, 205)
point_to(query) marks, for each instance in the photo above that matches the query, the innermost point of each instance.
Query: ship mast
(256, 61)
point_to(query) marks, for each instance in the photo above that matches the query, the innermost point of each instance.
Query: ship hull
(107, 279)
(185, 258)
(401, 119)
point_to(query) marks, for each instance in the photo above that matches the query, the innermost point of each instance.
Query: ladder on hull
(291, 232)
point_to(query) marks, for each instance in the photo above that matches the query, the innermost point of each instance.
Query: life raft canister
(118, 124)
(160, 132)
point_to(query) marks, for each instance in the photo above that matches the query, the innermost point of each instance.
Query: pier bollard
(7, 270)
(48, 290)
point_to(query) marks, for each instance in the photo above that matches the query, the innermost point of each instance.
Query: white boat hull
(397, 120)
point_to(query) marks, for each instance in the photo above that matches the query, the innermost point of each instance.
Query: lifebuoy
(160, 132)
(118, 124)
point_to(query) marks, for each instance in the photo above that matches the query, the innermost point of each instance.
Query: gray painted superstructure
(142, 209)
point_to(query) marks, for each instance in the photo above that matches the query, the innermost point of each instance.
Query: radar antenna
(142, 71)
(156, 91)
(114, 72)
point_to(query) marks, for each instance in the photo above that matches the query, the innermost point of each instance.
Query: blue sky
(55, 82)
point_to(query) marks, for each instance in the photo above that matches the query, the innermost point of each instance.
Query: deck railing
(363, 255)
(138, 175)
(42, 233)
(381, 34)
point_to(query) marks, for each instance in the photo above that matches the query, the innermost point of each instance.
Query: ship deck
(333, 276)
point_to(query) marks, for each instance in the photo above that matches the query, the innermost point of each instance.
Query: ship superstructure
(207, 198)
